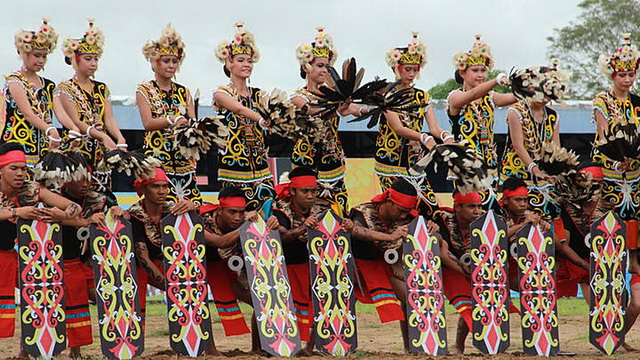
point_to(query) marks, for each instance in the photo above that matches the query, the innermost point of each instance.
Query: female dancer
(326, 157)
(471, 108)
(243, 163)
(617, 110)
(164, 104)
(532, 126)
(400, 141)
(29, 105)
(86, 102)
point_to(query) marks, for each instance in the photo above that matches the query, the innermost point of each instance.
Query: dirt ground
(376, 341)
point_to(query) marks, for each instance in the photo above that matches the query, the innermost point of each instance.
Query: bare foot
(74, 352)
(211, 350)
(456, 350)
(23, 354)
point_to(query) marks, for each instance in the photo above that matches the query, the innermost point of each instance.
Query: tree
(597, 30)
(441, 91)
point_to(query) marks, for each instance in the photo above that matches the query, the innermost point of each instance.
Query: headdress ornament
(480, 54)
(415, 53)
(92, 42)
(242, 43)
(45, 38)
(625, 58)
(170, 43)
(322, 46)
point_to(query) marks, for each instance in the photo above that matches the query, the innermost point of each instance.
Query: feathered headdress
(322, 46)
(537, 82)
(170, 43)
(91, 43)
(625, 58)
(414, 53)
(242, 43)
(480, 54)
(45, 38)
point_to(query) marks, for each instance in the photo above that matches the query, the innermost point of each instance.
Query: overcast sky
(515, 30)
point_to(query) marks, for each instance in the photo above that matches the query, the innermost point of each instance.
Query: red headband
(595, 171)
(139, 184)
(520, 191)
(233, 201)
(398, 198)
(13, 156)
(283, 190)
(306, 181)
(470, 198)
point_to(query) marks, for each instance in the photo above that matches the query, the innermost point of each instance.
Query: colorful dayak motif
(489, 290)
(188, 313)
(425, 298)
(114, 269)
(41, 288)
(270, 289)
(608, 268)
(334, 305)
(538, 300)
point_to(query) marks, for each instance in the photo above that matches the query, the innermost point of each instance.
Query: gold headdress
(91, 43)
(322, 46)
(537, 82)
(170, 43)
(480, 54)
(623, 59)
(45, 38)
(414, 53)
(242, 43)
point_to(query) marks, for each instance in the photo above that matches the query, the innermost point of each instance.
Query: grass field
(376, 340)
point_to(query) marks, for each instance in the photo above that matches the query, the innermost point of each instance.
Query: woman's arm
(71, 111)
(503, 99)
(62, 116)
(19, 95)
(461, 98)
(396, 124)
(231, 104)
(111, 125)
(515, 133)
(435, 129)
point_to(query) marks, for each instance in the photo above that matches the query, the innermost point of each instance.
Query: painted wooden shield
(186, 273)
(42, 292)
(270, 289)
(608, 270)
(538, 300)
(332, 289)
(425, 297)
(114, 269)
(489, 284)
